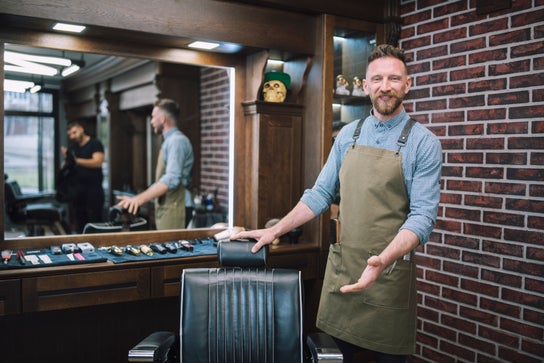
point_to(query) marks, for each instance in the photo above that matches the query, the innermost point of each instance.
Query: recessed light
(69, 27)
(203, 45)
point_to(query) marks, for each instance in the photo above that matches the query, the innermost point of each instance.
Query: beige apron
(374, 204)
(170, 207)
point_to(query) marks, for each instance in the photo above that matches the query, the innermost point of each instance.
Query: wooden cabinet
(274, 134)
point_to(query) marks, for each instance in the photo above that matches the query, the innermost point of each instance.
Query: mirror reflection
(111, 100)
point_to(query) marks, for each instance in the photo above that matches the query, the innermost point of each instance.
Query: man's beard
(386, 108)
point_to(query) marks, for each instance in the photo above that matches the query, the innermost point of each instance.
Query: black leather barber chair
(34, 211)
(119, 221)
(240, 312)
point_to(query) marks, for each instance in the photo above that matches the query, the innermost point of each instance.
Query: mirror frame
(156, 53)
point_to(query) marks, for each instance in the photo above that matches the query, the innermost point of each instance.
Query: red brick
(461, 269)
(450, 89)
(449, 62)
(528, 80)
(495, 143)
(416, 42)
(498, 336)
(535, 347)
(484, 172)
(457, 350)
(478, 315)
(459, 296)
(465, 18)
(508, 98)
(485, 56)
(513, 355)
(506, 158)
(525, 205)
(533, 316)
(465, 157)
(487, 114)
(430, 105)
(481, 259)
(502, 278)
(432, 78)
(525, 174)
(534, 285)
(467, 44)
(526, 142)
(451, 226)
(535, 222)
(467, 101)
(467, 73)
(526, 330)
(488, 26)
(500, 307)
(534, 237)
(468, 129)
(419, 93)
(538, 127)
(528, 268)
(484, 201)
(509, 127)
(449, 35)
(443, 279)
(536, 190)
(511, 37)
(527, 18)
(509, 67)
(505, 188)
(478, 345)
(502, 248)
(464, 242)
(487, 85)
(432, 26)
(505, 219)
(482, 230)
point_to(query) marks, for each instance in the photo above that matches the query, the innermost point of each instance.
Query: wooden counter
(96, 312)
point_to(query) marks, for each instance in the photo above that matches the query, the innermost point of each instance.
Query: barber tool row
(160, 248)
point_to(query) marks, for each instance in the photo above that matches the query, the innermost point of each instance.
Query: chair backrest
(12, 190)
(241, 314)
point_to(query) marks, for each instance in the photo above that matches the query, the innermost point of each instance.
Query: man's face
(157, 120)
(75, 134)
(386, 83)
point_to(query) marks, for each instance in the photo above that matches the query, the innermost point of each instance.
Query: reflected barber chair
(34, 211)
(119, 221)
(239, 312)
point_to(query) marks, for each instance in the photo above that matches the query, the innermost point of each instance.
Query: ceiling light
(203, 45)
(36, 88)
(11, 85)
(72, 69)
(69, 27)
(31, 68)
(13, 56)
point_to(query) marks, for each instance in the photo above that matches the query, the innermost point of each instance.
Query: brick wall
(215, 99)
(479, 86)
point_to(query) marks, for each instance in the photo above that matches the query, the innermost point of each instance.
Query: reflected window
(29, 128)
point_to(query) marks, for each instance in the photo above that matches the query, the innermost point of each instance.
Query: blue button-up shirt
(179, 159)
(421, 165)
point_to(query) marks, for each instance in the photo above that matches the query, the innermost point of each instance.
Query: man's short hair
(387, 50)
(168, 106)
(74, 124)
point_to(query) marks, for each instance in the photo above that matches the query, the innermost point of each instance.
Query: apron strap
(403, 138)
(357, 132)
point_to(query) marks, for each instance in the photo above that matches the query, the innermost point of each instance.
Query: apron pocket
(335, 271)
(391, 290)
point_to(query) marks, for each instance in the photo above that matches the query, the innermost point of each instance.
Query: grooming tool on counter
(6, 256)
(171, 247)
(185, 245)
(158, 248)
(146, 250)
(21, 257)
(131, 250)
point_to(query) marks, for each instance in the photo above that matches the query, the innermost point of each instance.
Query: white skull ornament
(274, 91)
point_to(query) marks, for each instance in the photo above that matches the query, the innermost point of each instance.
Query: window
(29, 140)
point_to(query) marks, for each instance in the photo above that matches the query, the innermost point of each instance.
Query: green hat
(278, 76)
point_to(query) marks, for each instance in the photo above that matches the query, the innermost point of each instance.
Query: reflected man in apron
(173, 172)
(387, 170)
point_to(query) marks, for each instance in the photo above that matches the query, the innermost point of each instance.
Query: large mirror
(112, 96)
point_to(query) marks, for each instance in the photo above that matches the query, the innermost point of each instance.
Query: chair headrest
(237, 253)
